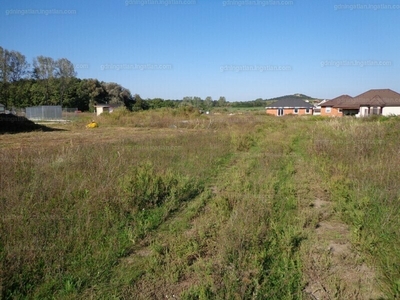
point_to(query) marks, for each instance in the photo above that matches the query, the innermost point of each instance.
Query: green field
(172, 204)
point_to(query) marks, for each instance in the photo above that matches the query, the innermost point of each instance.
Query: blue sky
(242, 50)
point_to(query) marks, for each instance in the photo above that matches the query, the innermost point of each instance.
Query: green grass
(361, 161)
(213, 207)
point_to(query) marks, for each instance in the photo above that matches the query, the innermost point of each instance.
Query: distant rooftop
(290, 102)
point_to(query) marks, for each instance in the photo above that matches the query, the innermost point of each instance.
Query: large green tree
(44, 70)
(222, 101)
(13, 67)
(208, 102)
(65, 72)
(54, 82)
(117, 94)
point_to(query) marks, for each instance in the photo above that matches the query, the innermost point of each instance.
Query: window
(280, 111)
(307, 110)
(339, 110)
(375, 110)
(295, 110)
(328, 110)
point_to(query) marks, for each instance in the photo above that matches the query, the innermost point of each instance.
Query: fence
(44, 113)
(69, 109)
(70, 113)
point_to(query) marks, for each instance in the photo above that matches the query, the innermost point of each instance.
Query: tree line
(54, 82)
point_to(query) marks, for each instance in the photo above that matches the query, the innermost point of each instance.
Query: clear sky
(242, 50)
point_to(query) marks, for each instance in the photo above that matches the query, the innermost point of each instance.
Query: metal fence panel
(44, 113)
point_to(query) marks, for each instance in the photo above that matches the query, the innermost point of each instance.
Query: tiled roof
(291, 102)
(377, 97)
(343, 99)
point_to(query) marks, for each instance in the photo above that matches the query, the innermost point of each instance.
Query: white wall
(391, 110)
(362, 113)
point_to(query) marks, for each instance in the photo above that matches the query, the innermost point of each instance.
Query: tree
(44, 69)
(64, 71)
(186, 100)
(117, 94)
(18, 66)
(208, 102)
(156, 103)
(55, 82)
(3, 65)
(13, 67)
(221, 101)
(140, 104)
(4, 76)
(96, 92)
(197, 102)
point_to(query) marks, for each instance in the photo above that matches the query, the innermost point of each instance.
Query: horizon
(242, 50)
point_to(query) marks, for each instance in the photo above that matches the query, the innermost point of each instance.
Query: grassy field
(173, 204)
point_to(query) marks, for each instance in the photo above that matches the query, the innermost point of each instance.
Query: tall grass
(212, 207)
(361, 159)
(69, 213)
(239, 240)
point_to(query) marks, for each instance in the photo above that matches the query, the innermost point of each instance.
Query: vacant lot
(170, 204)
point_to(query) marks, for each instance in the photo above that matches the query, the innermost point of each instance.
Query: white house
(100, 108)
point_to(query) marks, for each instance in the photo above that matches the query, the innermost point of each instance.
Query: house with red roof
(373, 102)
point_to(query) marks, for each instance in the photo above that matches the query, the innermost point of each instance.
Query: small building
(100, 108)
(290, 106)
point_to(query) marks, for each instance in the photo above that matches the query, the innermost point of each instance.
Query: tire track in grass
(332, 267)
(244, 242)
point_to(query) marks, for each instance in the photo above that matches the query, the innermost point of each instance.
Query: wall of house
(288, 111)
(334, 112)
(367, 111)
(364, 111)
(101, 109)
(390, 110)
(272, 111)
